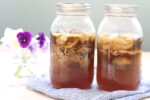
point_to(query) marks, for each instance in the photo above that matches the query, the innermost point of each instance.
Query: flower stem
(17, 73)
(21, 66)
(30, 71)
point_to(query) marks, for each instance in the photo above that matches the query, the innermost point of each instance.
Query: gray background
(38, 15)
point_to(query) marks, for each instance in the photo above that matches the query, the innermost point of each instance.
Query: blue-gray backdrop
(37, 15)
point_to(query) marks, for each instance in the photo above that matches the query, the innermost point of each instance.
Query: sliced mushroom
(122, 43)
(56, 34)
(61, 40)
(121, 63)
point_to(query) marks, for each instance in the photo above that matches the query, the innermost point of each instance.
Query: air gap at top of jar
(119, 48)
(72, 47)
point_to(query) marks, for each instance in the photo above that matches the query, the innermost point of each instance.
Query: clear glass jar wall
(72, 47)
(119, 48)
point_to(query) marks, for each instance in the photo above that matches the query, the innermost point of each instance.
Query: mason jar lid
(121, 9)
(73, 8)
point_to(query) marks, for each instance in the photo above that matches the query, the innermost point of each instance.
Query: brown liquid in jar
(72, 60)
(119, 62)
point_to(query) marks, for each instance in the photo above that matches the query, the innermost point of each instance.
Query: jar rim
(121, 9)
(73, 8)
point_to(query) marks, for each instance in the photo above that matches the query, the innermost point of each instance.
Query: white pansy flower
(10, 37)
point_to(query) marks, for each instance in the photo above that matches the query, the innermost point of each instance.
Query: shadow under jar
(72, 47)
(119, 49)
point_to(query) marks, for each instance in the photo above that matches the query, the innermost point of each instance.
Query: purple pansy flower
(41, 39)
(24, 39)
(32, 48)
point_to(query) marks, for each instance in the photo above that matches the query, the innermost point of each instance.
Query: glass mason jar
(119, 48)
(72, 40)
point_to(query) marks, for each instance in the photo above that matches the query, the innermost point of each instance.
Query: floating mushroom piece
(74, 48)
(115, 43)
(121, 63)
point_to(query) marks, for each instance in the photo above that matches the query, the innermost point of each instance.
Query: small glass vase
(26, 65)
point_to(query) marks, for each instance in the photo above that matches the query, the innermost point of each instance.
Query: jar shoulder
(69, 23)
(120, 25)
